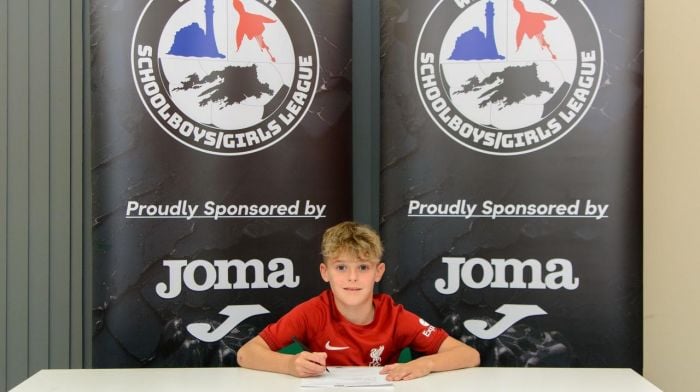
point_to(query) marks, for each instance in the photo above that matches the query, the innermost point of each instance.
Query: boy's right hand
(306, 364)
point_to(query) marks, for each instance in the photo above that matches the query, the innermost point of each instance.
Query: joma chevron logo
(235, 313)
(512, 314)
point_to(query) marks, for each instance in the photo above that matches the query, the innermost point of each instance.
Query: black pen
(303, 347)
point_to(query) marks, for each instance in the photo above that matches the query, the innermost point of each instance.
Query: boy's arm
(256, 354)
(451, 355)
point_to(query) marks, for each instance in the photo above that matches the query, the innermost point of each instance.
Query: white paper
(348, 376)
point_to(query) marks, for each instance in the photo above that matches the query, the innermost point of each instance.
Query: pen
(303, 347)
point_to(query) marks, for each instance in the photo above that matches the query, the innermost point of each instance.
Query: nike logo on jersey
(334, 348)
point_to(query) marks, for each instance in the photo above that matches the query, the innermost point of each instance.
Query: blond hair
(355, 238)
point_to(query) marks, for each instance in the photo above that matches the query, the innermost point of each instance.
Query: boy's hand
(306, 364)
(405, 371)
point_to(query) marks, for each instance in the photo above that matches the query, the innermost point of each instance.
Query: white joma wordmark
(334, 348)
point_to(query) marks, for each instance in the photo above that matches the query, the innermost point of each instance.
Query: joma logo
(216, 275)
(494, 274)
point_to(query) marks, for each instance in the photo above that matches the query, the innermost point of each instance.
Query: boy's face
(351, 279)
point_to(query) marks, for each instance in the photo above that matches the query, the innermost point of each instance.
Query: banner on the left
(221, 150)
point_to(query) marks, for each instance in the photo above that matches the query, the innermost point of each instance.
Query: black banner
(511, 175)
(221, 150)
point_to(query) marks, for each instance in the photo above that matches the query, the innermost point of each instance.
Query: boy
(349, 325)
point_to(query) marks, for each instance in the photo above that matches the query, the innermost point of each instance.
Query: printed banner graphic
(511, 175)
(221, 150)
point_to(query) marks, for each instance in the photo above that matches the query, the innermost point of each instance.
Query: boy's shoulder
(384, 299)
(387, 307)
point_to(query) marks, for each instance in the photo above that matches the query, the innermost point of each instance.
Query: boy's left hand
(405, 371)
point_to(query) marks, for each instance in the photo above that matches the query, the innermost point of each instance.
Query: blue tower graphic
(192, 41)
(474, 45)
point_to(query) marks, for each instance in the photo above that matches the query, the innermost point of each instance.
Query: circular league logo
(225, 77)
(508, 77)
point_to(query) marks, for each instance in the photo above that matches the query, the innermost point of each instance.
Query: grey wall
(41, 187)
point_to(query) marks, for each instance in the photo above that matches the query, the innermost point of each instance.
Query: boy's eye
(364, 267)
(340, 267)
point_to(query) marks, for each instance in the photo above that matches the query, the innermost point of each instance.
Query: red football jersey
(320, 326)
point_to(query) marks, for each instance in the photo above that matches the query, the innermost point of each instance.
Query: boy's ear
(380, 271)
(324, 272)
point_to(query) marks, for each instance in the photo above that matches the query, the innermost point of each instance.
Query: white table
(237, 380)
